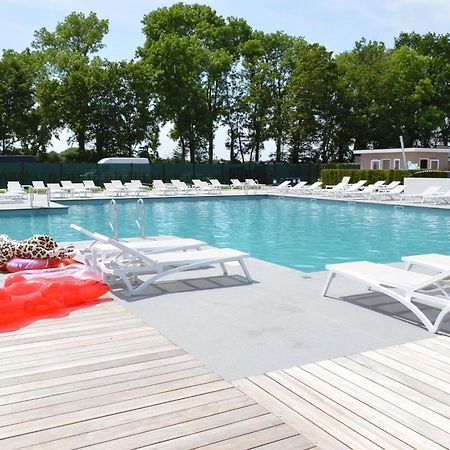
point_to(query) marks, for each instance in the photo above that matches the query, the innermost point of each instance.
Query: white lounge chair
(203, 186)
(253, 184)
(442, 197)
(409, 288)
(91, 186)
(183, 188)
(284, 186)
(39, 186)
(393, 194)
(76, 189)
(99, 251)
(314, 188)
(297, 189)
(367, 192)
(15, 189)
(11, 198)
(114, 191)
(433, 261)
(429, 191)
(160, 186)
(216, 183)
(134, 189)
(236, 184)
(350, 190)
(163, 264)
(56, 191)
(389, 187)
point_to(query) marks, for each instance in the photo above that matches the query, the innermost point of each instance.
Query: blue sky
(337, 24)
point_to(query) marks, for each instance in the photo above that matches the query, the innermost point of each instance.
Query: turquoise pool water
(297, 233)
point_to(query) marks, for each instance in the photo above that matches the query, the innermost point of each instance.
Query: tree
(190, 50)
(17, 97)
(67, 53)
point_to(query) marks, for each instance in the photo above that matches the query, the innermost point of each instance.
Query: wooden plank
(276, 434)
(431, 354)
(399, 401)
(115, 375)
(104, 389)
(393, 385)
(293, 443)
(48, 360)
(109, 409)
(435, 345)
(352, 411)
(408, 370)
(413, 360)
(47, 346)
(104, 399)
(97, 364)
(401, 377)
(443, 340)
(331, 430)
(97, 430)
(263, 394)
(202, 431)
(406, 426)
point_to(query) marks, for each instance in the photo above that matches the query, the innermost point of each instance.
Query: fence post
(193, 171)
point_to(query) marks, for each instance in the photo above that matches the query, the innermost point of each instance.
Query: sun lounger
(297, 189)
(163, 264)
(393, 194)
(160, 187)
(350, 190)
(114, 191)
(252, 184)
(236, 184)
(366, 193)
(429, 191)
(203, 186)
(11, 198)
(216, 183)
(134, 189)
(98, 250)
(56, 191)
(284, 186)
(442, 197)
(409, 288)
(76, 189)
(91, 186)
(183, 188)
(314, 188)
(433, 261)
(39, 186)
(15, 189)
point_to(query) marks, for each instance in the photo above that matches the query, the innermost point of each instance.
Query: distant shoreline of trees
(198, 71)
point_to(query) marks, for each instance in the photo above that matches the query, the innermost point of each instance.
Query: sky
(336, 24)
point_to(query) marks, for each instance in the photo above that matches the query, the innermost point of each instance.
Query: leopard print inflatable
(38, 246)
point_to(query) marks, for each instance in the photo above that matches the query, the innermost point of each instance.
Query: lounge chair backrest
(54, 186)
(431, 190)
(137, 183)
(38, 185)
(315, 185)
(117, 183)
(251, 182)
(300, 185)
(284, 184)
(345, 180)
(392, 185)
(89, 184)
(179, 184)
(158, 184)
(14, 186)
(215, 182)
(397, 189)
(235, 182)
(378, 184)
(66, 184)
(197, 183)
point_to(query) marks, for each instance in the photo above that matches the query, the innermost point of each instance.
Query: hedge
(334, 176)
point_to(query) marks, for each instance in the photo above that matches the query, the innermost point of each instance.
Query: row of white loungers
(123, 262)
(177, 187)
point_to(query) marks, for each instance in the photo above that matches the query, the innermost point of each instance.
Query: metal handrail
(112, 218)
(139, 217)
(31, 193)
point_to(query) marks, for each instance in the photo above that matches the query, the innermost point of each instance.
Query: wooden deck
(394, 398)
(103, 378)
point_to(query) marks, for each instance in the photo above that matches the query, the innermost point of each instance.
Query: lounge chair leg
(245, 269)
(224, 269)
(327, 284)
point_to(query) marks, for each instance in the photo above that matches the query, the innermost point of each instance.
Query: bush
(334, 176)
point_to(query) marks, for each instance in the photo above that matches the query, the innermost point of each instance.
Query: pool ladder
(139, 218)
(112, 218)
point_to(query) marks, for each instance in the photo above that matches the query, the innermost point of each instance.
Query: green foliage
(334, 176)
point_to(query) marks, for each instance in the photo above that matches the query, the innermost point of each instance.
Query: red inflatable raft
(28, 296)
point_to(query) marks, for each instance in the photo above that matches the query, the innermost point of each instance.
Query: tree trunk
(278, 152)
(210, 143)
(81, 138)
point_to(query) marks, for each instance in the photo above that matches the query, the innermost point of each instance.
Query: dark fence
(26, 172)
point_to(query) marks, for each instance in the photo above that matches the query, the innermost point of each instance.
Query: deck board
(104, 378)
(395, 397)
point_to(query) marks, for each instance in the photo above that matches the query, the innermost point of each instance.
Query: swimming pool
(297, 233)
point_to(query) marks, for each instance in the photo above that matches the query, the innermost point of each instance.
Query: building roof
(399, 150)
